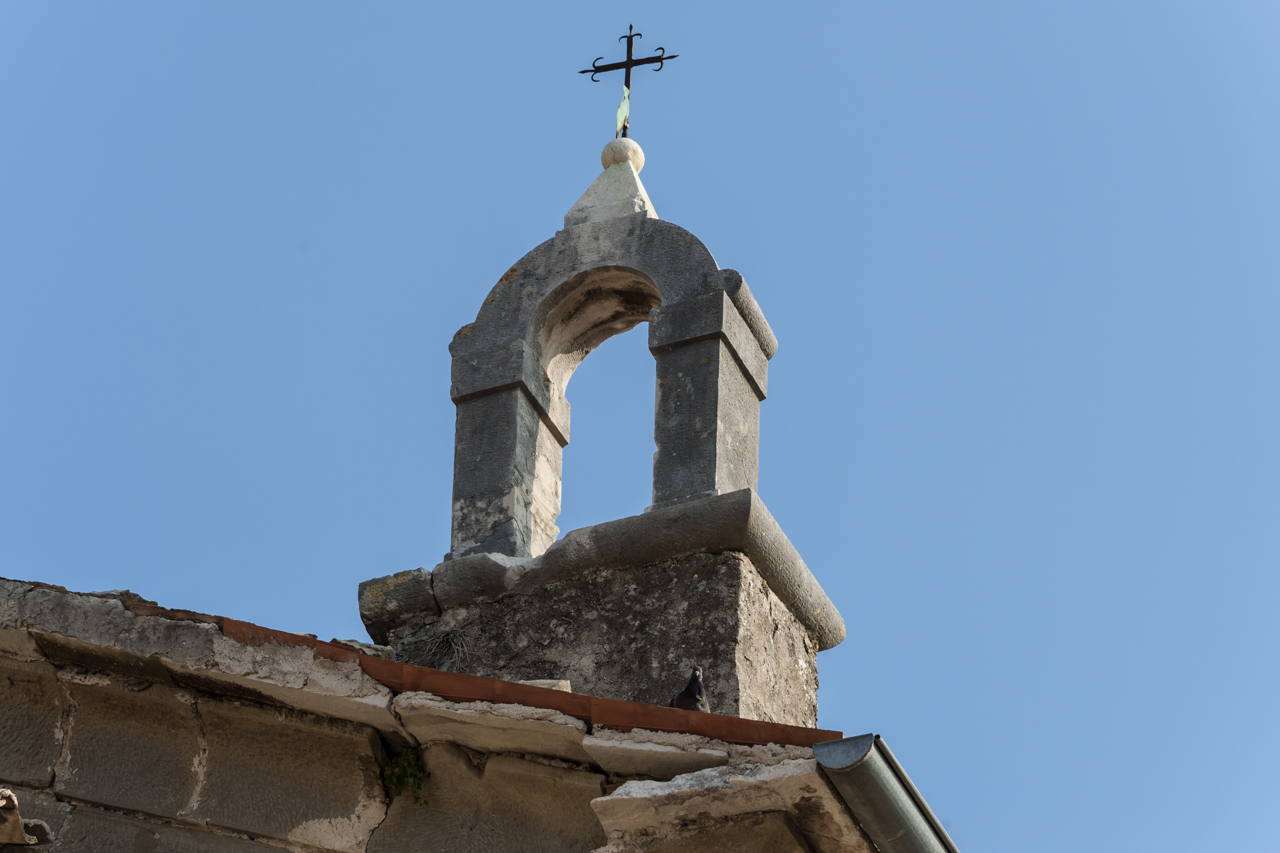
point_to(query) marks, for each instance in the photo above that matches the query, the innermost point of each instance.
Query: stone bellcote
(705, 545)
(615, 265)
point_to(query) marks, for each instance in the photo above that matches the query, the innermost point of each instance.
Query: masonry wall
(121, 764)
(138, 765)
(634, 634)
(130, 727)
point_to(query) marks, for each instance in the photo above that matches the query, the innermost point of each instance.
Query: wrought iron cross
(624, 111)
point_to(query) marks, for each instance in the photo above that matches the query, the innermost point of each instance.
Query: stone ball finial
(622, 150)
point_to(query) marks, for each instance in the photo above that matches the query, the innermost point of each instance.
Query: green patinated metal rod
(624, 111)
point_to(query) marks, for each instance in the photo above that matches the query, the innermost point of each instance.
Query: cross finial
(624, 110)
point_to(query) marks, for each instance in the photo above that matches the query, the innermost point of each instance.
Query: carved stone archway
(538, 323)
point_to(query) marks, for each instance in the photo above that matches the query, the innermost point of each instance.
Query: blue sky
(1022, 260)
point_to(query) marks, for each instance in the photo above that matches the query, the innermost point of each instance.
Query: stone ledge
(646, 815)
(766, 754)
(645, 758)
(737, 521)
(490, 727)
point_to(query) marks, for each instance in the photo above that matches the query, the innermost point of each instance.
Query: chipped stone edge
(39, 621)
(739, 754)
(413, 701)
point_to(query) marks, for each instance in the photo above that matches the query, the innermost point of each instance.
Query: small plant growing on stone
(446, 649)
(406, 772)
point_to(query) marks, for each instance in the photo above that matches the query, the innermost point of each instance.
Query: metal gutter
(880, 794)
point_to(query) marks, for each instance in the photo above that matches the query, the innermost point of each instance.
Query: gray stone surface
(99, 632)
(736, 754)
(643, 759)
(497, 804)
(633, 633)
(95, 620)
(474, 577)
(30, 722)
(389, 601)
(738, 521)
(736, 286)
(707, 427)
(90, 830)
(495, 458)
(290, 776)
(710, 317)
(544, 316)
(179, 640)
(131, 748)
(759, 832)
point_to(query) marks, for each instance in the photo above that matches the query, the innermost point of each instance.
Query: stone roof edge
(80, 626)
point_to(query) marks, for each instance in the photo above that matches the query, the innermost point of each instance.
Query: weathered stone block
(465, 579)
(761, 832)
(655, 760)
(180, 640)
(493, 728)
(30, 722)
(295, 676)
(711, 316)
(89, 618)
(90, 830)
(504, 803)
(634, 633)
(70, 651)
(131, 749)
(386, 601)
(291, 776)
(495, 460)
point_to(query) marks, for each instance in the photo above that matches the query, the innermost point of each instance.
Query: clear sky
(1023, 260)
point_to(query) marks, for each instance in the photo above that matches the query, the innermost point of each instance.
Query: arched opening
(543, 317)
(573, 320)
(587, 310)
(608, 469)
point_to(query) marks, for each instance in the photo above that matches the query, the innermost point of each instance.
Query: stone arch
(543, 317)
(584, 312)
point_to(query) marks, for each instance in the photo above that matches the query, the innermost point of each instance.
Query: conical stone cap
(618, 191)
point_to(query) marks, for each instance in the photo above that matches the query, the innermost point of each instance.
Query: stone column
(507, 456)
(712, 375)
